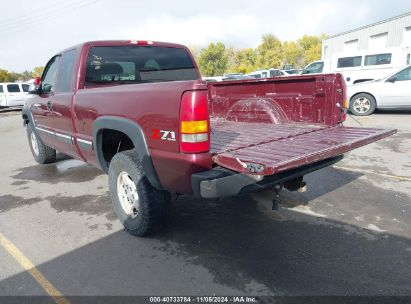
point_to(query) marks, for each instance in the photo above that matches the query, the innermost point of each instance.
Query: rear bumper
(221, 182)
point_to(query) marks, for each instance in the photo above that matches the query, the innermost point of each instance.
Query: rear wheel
(140, 207)
(363, 104)
(42, 154)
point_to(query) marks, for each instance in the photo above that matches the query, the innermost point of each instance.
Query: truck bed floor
(284, 146)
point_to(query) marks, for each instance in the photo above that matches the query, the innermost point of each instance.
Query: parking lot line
(34, 272)
(401, 178)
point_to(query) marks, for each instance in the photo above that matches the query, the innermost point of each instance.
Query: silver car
(391, 92)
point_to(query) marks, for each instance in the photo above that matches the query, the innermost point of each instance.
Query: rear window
(349, 62)
(1, 88)
(377, 59)
(138, 64)
(13, 88)
(25, 87)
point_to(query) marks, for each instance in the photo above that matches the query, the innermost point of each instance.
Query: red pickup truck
(140, 111)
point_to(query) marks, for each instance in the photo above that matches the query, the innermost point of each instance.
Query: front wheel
(362, 104)
(41, 153)
(139, 206)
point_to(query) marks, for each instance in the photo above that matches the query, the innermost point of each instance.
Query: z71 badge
(163, 134)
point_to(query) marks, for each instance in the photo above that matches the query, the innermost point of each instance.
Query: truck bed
(280, 147)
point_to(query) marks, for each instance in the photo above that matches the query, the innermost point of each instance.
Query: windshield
(138, 64)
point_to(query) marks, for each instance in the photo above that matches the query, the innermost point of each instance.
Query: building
(391, 33)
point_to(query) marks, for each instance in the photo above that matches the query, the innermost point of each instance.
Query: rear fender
(135, 133)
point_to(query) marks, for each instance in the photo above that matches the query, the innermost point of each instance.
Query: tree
(312, 54)
(4, 75)
(293, 54)
(243, 61)
(213, 59)
(13, 77)
(37, 71)
(312, 47)
(269, 52)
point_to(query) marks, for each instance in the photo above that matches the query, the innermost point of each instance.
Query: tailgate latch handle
(252, 168)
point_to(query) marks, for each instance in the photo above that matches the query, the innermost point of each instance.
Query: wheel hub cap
(34, 144)
(127, 194)
(362, 105)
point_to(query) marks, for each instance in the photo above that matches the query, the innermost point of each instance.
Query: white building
(391, 33)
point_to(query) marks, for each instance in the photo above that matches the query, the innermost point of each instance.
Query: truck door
(14, 95)
(3, 101)
(61, 103)
(41, 107)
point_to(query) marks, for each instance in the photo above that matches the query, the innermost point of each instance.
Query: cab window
(13, 88)
(404, 75)
(316, 67)
(1, 88)
(349, 62)
(65, 79)
(377, 59)
(49, 76)
(25, 87)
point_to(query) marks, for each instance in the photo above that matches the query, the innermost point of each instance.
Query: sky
(31, 32)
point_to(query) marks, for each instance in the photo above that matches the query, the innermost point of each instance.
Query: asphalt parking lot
(349, 234)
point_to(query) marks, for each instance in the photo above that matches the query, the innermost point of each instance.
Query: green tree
(293, 54)
(37, 71)
(312, 54)
(13, 77)
(269, 52)
(243, 61)
(4, 75)
(213, 59)
(312, 47)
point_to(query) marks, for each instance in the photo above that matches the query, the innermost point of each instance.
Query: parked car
(235, 77)
(360, 66)
(141, 113)
(213, 79)
(391, 92)
(267, 73)
(291, 72)
(13, 94)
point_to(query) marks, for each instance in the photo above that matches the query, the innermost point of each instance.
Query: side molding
(135, 133)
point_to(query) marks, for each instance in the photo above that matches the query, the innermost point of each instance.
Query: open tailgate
(284, 150)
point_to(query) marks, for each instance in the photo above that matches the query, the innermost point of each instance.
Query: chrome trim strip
(84, 141)
(45, 131)
(85, 144)
(63, 136)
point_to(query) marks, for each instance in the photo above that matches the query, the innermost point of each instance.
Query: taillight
(194, 123)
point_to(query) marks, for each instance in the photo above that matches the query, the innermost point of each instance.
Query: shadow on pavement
(233, 246)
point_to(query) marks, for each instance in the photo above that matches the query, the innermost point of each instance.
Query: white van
(362, 66)
(13, 94)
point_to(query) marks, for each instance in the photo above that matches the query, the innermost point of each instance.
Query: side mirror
(46, 88)
(392, 79)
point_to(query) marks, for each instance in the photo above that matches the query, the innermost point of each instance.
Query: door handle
(50, 105)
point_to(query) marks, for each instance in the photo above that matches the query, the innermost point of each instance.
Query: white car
(391, 92)
(267, 73)
(13, 94)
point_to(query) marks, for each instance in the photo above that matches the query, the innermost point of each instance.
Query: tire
(362, 104)
(141, 208)
(42, 154)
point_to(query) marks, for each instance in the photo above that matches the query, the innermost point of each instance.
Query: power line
(45, 17)
(24, 16)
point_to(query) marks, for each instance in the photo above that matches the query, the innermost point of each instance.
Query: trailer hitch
(276, 200)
